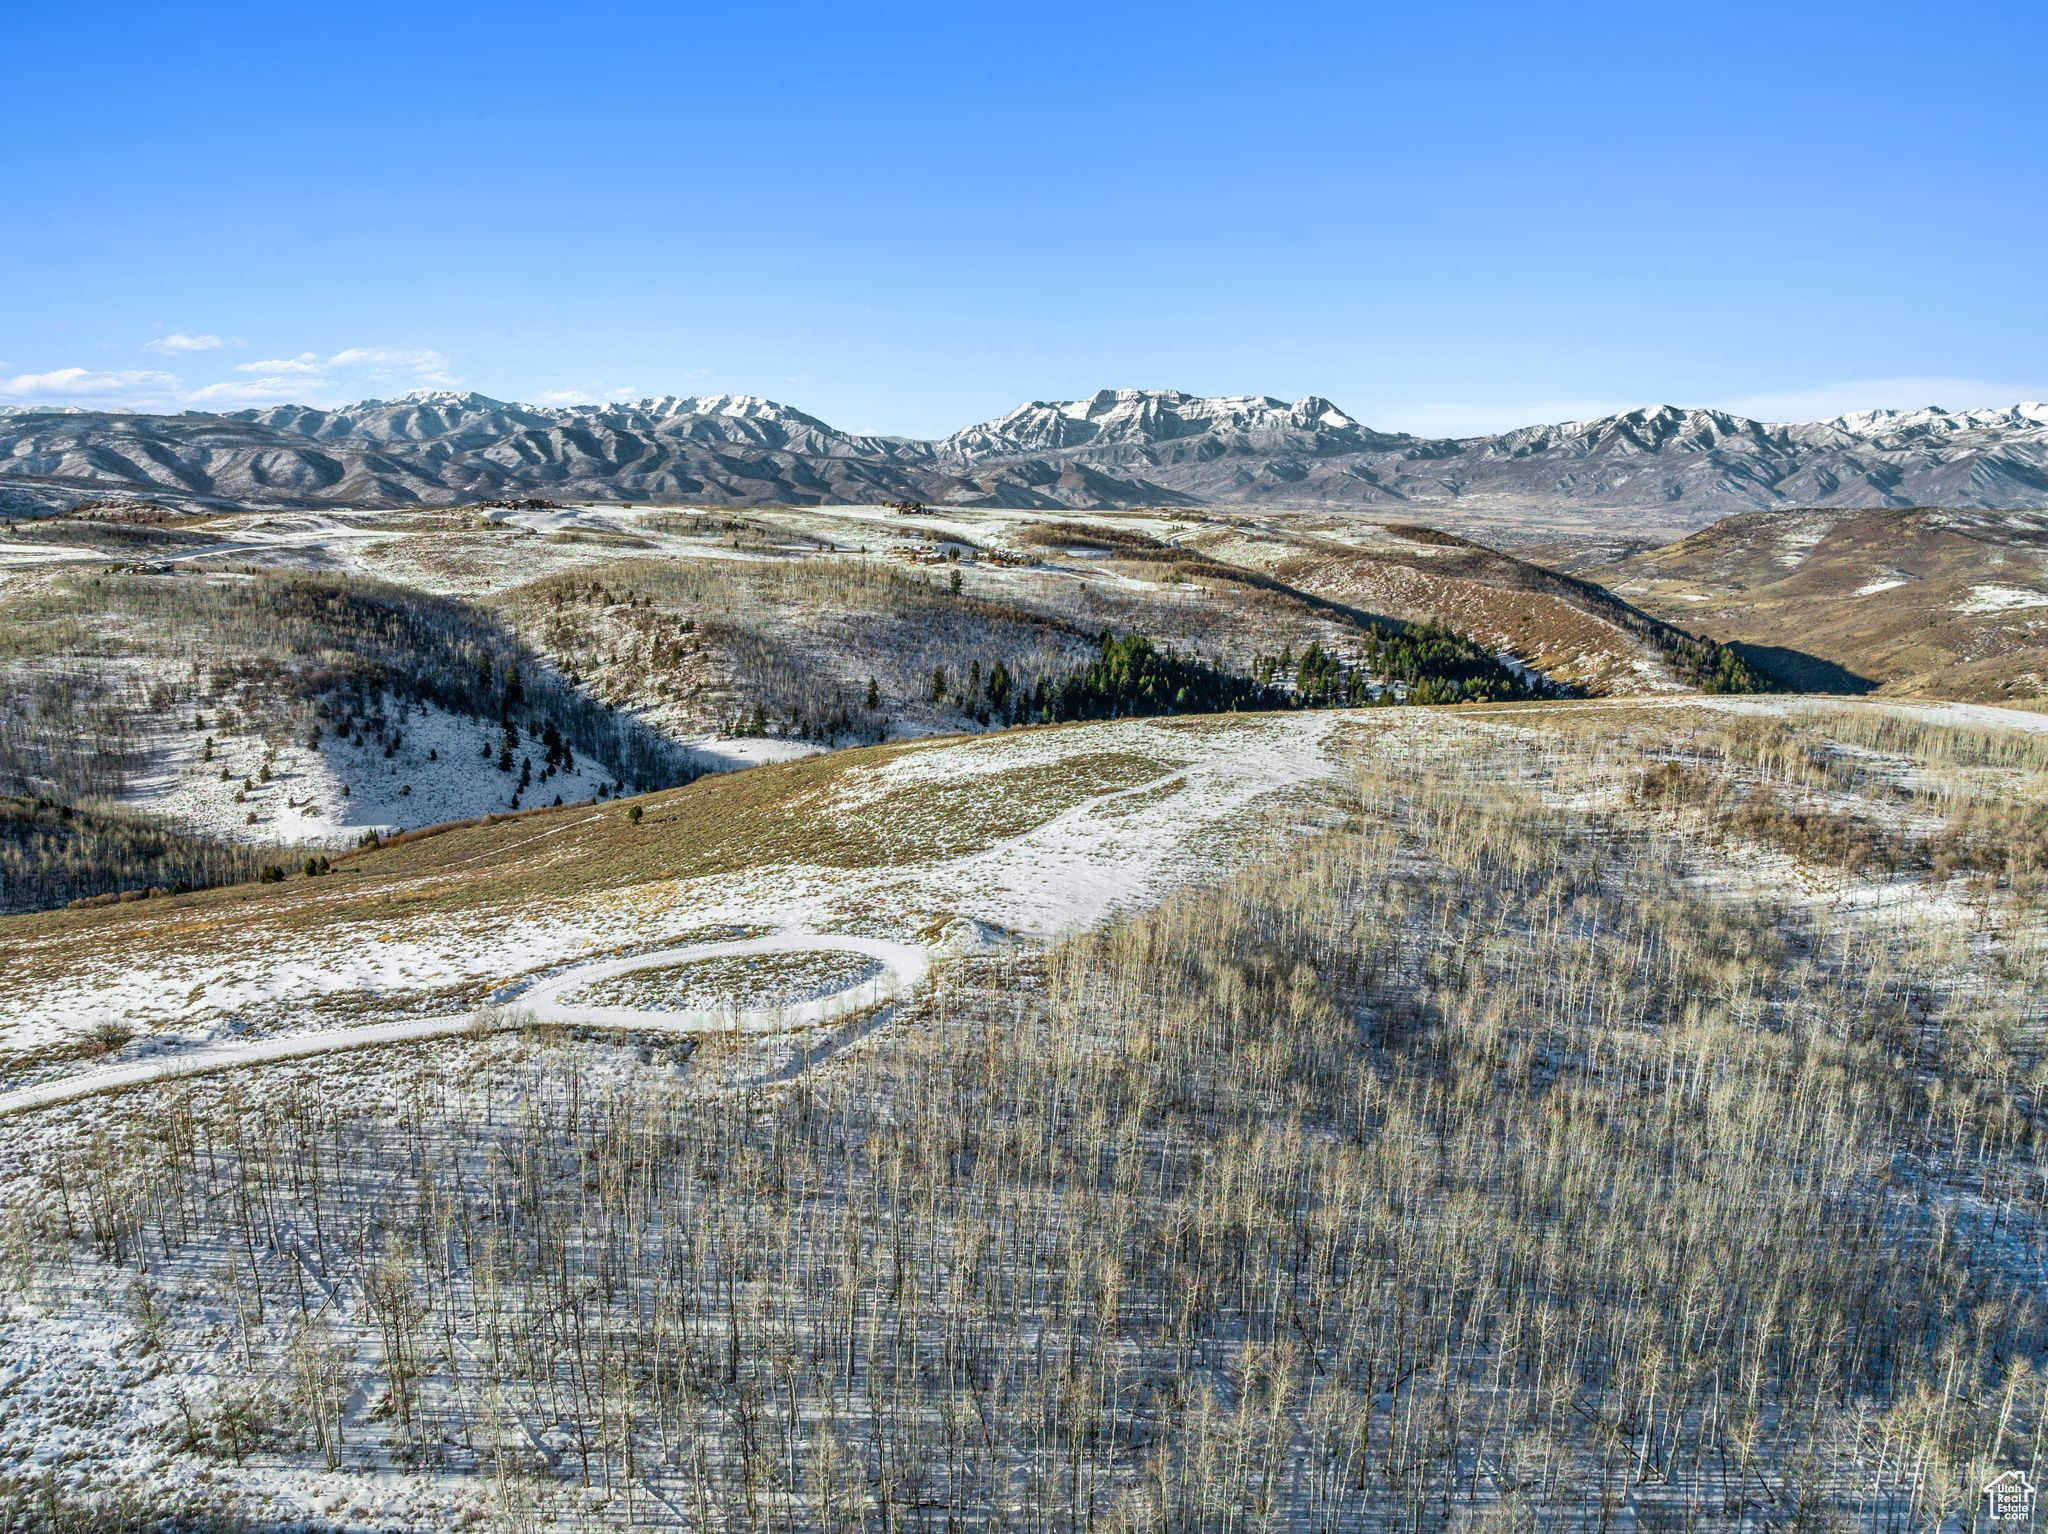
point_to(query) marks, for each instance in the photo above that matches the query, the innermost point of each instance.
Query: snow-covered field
(1799, 540)
(1987, 716)
(886, 972)
(1085, 821)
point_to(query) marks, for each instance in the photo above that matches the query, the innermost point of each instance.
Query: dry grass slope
(1919, 602)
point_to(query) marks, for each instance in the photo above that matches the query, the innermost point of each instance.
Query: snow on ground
(901, 968)
(19, 553)
(1122, 849)
(625, 523)
(73, 1386)
(1188, 803)
(1797, 541)
(307, 540)
(1883, 583)
(1651, 671)
(898, 970)
(442, 767)
(196, 999)
(1988, 716)
(724, 753)
(77, 1391)
(558, 519)
(1177, 800)
(2001, 599)
(1984, 716)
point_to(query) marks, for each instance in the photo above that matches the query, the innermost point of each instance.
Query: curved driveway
(904, 968)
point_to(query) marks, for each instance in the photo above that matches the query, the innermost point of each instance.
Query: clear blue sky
(905, 217)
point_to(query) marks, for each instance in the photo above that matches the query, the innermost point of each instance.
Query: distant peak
(444, 399)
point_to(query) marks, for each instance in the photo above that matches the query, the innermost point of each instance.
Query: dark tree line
(53, 853)
(1712, 666)
(1419, 663)
(1130, 676)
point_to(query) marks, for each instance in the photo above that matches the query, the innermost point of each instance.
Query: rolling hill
(1942, 603)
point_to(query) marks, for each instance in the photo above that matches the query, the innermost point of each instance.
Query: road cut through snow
(904, 968)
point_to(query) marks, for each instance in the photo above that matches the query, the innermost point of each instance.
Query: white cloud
(402, 359)
(343, 377)
(178, 343)
(305, 362)
(131, 389)
(248, 391)
(590, 396)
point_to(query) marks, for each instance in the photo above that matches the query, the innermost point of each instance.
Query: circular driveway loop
(904, 968)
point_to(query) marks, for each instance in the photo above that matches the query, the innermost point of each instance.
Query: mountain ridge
(1117, 447)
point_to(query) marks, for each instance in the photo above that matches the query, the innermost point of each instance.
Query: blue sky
(1447, 218)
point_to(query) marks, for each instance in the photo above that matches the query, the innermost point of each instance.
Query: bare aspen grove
(1621, 1118)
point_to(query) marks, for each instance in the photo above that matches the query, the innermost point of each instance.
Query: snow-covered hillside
(426, 766)
(1154, 417)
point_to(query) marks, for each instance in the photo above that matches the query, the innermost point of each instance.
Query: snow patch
(2001, 599)
(1795, 543)
(442, 767)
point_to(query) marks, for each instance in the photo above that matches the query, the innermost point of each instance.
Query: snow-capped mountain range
(1119, 447)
